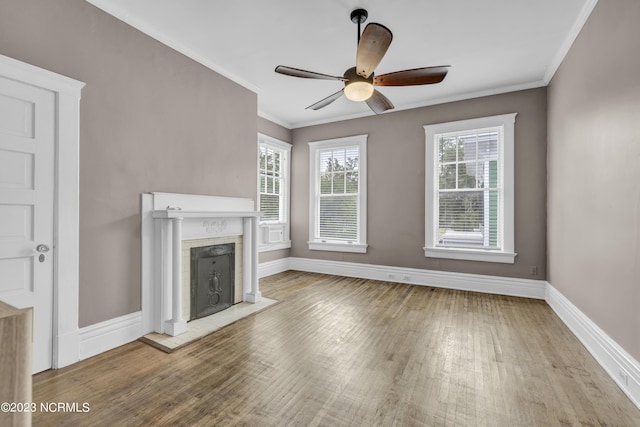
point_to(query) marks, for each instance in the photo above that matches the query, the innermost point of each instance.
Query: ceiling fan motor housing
(357, 88)
(353, 76)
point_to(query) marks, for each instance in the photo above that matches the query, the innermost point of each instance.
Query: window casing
(274, 167)
(338, 195)
(469, 181)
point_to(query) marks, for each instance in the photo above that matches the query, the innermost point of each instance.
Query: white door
(27, 142)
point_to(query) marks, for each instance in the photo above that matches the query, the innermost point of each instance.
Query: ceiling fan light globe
(358, 91)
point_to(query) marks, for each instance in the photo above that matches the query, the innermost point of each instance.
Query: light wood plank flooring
(340, 351)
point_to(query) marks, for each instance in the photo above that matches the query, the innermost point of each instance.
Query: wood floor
(338, 351)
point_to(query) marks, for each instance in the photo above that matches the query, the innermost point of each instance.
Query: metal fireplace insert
(212, 279)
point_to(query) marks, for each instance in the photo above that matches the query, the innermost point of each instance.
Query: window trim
(507, 150)
(334, 245)
(286, 224)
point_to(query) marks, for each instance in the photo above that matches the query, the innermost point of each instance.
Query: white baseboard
(619, 364)
(442, 279)
(104, 336)
(273, 267)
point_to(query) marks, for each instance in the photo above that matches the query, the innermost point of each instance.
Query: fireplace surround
(168, 220)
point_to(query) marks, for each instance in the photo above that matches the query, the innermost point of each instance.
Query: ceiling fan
(359, 81)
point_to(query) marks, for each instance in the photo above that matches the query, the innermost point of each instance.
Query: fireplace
(212, 279)
(173, 222)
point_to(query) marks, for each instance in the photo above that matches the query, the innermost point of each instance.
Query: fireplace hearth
(212, 279)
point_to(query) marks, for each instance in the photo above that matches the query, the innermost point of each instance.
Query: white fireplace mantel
(176, 213)
(167, 220)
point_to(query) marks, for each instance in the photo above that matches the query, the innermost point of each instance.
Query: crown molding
(564, 48)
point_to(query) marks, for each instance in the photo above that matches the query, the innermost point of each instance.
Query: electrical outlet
(534, 270)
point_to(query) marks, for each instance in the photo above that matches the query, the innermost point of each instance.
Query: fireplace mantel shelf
(176, 213)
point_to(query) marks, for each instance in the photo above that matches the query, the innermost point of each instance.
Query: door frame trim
(67, 92)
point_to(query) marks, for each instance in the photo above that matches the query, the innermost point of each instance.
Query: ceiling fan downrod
(358, 16)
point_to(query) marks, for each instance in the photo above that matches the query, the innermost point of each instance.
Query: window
(273, 192)
(469, 199)
(338, 194)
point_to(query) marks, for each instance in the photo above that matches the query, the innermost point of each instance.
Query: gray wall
(396, 163)
(594, 172)
(151, 120)
(276, 131)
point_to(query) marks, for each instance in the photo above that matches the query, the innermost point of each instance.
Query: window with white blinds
(469, 190)
(272, 182)
(273, 192)
(338, 186)
(469, 195)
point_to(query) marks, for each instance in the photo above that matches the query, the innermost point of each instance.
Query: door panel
(17, 116)
(16, 170)
(16, 275)
(27, 141)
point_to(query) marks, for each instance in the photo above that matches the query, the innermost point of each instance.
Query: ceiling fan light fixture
(358, 91)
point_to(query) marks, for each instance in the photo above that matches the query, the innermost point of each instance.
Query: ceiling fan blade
(326, 101)
(295, 72)
(416, 76)
(379, 103)
(374, 42)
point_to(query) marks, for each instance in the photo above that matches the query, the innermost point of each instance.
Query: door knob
(42, 248)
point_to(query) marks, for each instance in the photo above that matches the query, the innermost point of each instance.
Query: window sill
(338, 247)
(267, 247)
(470, 255)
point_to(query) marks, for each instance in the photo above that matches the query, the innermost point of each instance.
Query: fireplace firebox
(212, 279)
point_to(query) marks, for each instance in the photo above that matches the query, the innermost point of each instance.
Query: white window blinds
(272, 182)
(339, 193)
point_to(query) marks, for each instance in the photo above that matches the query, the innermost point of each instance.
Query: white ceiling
(493, 46)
